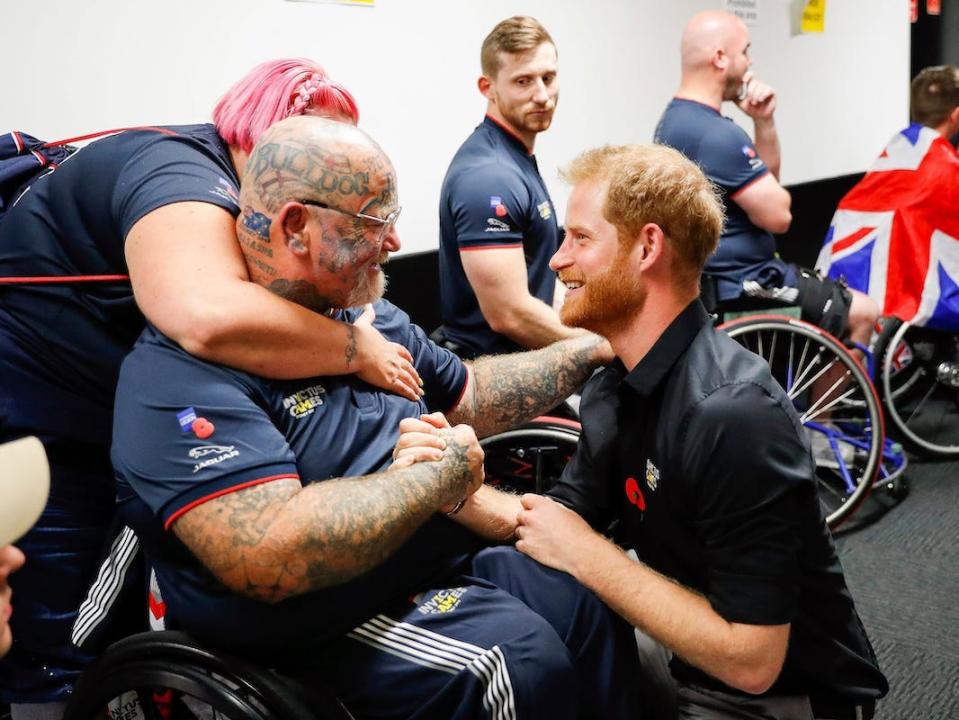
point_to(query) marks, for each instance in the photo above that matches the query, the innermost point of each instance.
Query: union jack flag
(895, 235)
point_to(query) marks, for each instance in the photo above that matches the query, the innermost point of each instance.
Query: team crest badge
(652, 475)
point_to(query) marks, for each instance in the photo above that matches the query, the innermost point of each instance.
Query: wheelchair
(531, 458)
(918, 382)
(832, 392)
(166, 675)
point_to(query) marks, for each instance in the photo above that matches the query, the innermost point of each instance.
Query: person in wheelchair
(161, 211)
(904, 213)
(715, 69)
(279, 525)
(691, 446)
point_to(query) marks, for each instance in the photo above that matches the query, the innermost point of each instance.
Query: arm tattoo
(277, 539)
(511, 389)
(350, 345)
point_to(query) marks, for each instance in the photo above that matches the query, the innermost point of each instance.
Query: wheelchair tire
(845, 420)
(919, 386)
(139, 666)
(530, 458)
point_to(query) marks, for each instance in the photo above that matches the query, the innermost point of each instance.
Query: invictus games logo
(304, 402)
(443, 601)
(545, 210)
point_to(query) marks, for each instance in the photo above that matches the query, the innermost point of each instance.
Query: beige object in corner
(24, 486)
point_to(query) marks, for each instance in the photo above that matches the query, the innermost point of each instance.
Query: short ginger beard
(607, 302)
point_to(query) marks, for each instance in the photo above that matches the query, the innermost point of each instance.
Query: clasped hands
(545, 530)
(430, 438)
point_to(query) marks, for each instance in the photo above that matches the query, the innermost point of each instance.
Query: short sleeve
(745, 478)
(729, 158)
(186, 431)
(444, 374)
(489, 207)
(579, 487)
(171, 169)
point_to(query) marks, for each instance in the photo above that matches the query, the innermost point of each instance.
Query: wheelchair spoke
(834, 400)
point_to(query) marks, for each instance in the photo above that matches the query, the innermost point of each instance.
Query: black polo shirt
(700, 456)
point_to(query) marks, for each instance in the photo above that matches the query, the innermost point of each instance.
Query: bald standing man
(716, 68)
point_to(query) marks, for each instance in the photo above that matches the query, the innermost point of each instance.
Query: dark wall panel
(813, 205)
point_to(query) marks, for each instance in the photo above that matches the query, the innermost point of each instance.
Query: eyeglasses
(384, 223)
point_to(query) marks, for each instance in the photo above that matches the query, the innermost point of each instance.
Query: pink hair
(275, 90)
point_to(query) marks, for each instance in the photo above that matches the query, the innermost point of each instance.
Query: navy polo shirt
(492, 197)
(730, 160)
(61, 345)
(188, 430)
(701, 457)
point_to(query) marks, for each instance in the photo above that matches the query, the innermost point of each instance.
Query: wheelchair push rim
(925, 412)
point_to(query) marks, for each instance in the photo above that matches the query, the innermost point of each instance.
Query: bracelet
(456, 508)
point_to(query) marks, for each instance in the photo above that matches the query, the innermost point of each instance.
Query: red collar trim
(509, 131)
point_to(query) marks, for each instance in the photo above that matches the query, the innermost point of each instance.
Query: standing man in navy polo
(498, 226)
(715, 69)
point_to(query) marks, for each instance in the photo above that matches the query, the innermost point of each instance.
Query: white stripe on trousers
(105, 589)
(430, 649)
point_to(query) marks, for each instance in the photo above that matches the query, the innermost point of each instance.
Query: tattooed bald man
(279, 524)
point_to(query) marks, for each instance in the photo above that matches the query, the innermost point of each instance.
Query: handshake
(456, 450)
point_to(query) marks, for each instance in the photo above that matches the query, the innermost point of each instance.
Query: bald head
(310, 158)
(715, 57)
(708, 33)
(311, 195)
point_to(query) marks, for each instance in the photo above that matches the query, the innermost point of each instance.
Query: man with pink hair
(161, 210)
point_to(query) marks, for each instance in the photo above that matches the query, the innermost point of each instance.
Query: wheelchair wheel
(530, 458)
(919, 381)
(836, 402)
(154, 675)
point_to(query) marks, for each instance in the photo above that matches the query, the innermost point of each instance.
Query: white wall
(73, 66)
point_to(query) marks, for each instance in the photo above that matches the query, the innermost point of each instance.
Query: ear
(290, 225)
(485, 84)
(721, 59)
(649, 246)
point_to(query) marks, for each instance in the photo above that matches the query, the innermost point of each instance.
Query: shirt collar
(664, 353)
(713, 108)
(510, 134)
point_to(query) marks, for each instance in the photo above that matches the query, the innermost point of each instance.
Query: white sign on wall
(745, 10)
